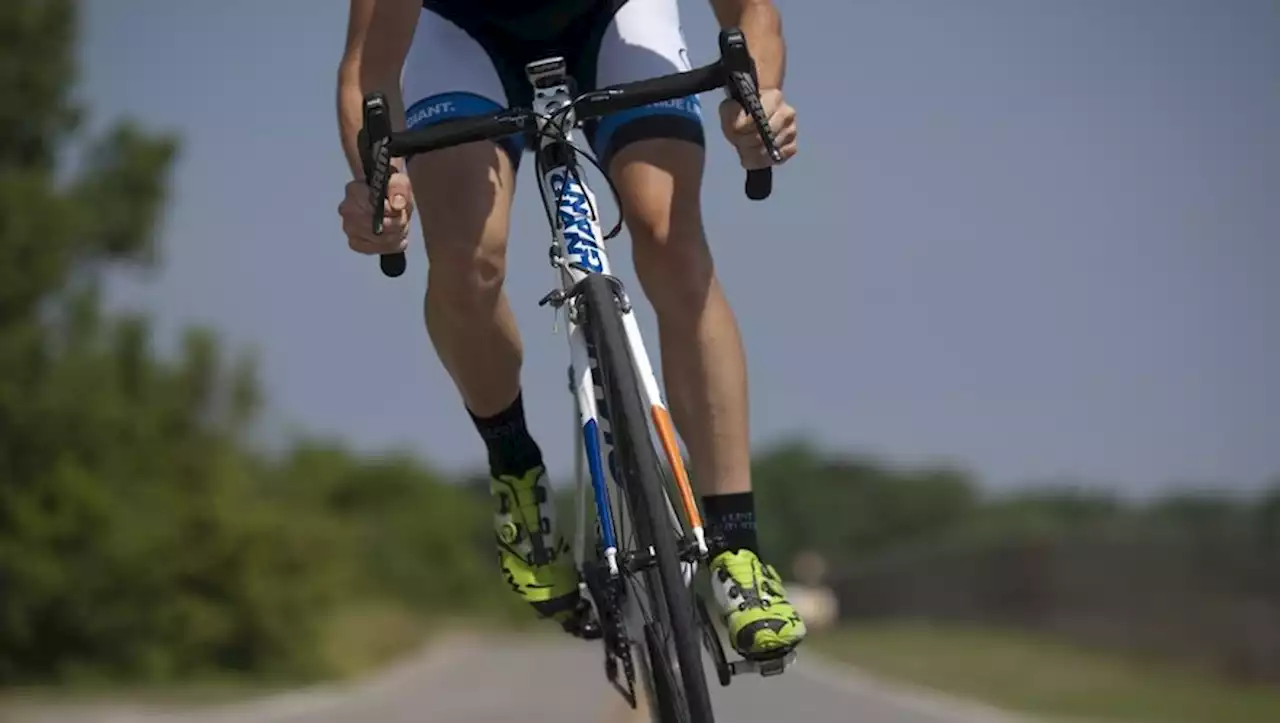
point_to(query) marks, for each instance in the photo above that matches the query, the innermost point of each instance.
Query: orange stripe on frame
(667, 435)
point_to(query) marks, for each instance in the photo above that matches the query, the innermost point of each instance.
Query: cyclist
(440, 59)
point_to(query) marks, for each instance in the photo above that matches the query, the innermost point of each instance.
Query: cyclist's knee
(659, 182)
(463, 196)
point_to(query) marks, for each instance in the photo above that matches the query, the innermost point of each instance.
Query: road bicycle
(638, 570)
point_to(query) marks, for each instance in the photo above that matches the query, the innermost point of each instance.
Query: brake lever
(375, 156)
(743, 86)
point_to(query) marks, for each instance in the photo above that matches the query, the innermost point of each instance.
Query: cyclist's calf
(659, 182)
(463, 195)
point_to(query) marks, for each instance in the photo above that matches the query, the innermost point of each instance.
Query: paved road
(478, 680)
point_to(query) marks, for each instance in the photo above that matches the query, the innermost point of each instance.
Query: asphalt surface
(474, 679)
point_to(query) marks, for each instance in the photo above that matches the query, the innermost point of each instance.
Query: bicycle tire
(643, 486)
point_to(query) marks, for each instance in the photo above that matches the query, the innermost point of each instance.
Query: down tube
(584, 392)
(665, 435)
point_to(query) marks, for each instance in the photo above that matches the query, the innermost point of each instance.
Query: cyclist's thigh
(642, 40)
(463, 194)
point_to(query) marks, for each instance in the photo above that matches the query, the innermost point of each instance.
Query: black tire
(642, 482)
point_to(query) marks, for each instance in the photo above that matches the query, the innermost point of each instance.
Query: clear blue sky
(1038, 239)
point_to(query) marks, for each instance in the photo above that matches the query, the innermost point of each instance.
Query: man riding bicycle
(441, 59)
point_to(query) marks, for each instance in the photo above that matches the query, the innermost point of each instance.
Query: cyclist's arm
(761, 23)
(378, 36)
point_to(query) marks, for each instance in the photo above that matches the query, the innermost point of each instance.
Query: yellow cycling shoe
(535, 559)
(761, 621)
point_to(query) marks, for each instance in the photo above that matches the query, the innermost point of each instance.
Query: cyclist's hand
(741, 130)
(357, 217)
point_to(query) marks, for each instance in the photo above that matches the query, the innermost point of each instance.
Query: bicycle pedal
(589, 630)
(766, 666)
(584, 623)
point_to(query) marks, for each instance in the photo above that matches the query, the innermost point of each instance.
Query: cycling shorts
(465, 61)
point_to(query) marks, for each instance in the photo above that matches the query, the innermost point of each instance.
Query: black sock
(732, 517)
(512, 450)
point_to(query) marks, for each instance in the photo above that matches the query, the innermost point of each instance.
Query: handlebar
(735, 71)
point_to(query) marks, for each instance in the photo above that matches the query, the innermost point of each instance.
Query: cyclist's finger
(367, 249)
(353, 205)
(357, 224)
(393, 226)
(786, 142)
(755, 155)
(751, 142)
(356, 208)
(786, 137)
(778, 123)
(754, 158)
(734, 119)
(360, 226)
(782, 125)
(399, 197)
(357, 199)
(384, 245)
(398, 185)
(783, 116)
(788, 151)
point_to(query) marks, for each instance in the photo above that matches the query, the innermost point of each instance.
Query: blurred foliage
(139, 535)
(142, 538)
(1188, 575)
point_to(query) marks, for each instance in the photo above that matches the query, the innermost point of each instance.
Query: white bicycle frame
(577, 249)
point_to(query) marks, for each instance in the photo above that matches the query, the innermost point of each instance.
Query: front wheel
(671, 625)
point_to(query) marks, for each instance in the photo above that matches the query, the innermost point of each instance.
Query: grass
(1046, 678)
(362, 637)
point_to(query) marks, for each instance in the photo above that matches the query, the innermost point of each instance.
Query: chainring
(608, 592)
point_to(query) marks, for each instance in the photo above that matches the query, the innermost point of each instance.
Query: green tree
(130, 538)
(847, 508)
